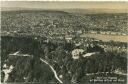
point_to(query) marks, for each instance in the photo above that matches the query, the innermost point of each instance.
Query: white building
(68, 39)
(76, 53)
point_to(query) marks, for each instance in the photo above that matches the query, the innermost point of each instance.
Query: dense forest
(58, 54)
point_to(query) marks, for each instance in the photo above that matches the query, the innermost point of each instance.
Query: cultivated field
(106, 38)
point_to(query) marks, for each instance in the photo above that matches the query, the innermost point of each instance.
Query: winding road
(55, 73)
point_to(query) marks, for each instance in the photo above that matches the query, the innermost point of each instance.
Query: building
(76, 53)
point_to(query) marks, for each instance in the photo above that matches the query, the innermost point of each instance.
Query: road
(55, 73)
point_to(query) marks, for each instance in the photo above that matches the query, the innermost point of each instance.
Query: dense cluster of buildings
(57, 24)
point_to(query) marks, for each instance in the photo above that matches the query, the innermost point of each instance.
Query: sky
(66, 5)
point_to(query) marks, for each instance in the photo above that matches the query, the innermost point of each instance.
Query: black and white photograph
(64, 42)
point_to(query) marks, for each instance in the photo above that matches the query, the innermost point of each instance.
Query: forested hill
(49, 22)
(58, 54)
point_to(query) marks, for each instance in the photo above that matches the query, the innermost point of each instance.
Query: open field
(106, 38)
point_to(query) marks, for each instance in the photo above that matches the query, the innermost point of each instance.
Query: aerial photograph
(74, 42)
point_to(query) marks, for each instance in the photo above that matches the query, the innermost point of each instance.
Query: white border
(65, 0)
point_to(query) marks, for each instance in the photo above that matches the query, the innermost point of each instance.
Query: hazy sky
(62, 5)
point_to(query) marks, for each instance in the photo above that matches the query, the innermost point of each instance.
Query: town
(61, 47)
